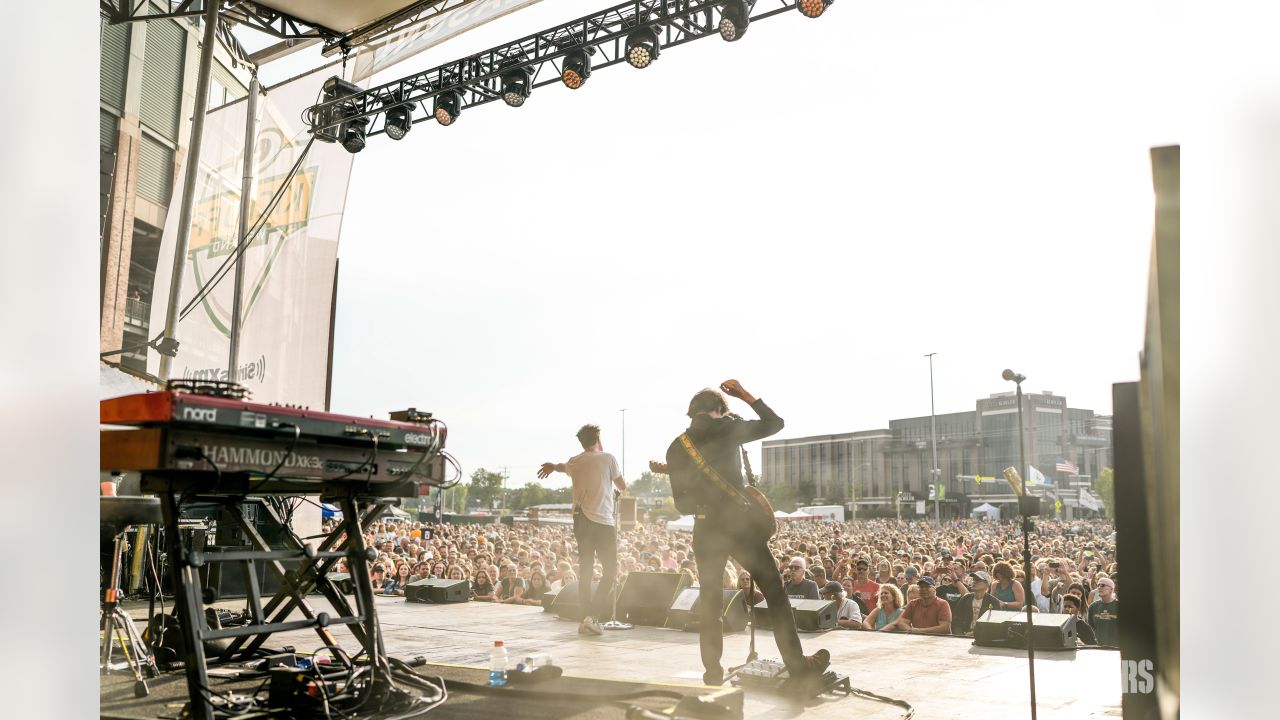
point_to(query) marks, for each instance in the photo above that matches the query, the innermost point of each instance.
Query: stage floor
(942, 677)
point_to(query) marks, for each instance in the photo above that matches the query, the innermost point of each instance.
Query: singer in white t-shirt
(595, 475)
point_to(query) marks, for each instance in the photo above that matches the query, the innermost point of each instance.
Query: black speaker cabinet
(1007, 628)
(438, 590)
(565, 604)
(646, 597)
(343, 582)
(227, 579)
(810, 615)
(683, 613)
(549, 599)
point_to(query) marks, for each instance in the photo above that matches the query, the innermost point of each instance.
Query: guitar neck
(746, 468)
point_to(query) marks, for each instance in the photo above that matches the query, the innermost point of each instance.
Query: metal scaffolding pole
(189, 186)
(246, 189)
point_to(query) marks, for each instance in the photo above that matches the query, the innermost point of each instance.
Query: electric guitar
(757, 512)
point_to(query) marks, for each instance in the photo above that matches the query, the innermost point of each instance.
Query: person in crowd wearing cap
(847, 613)
(1072, 605)
(910, 575)
(595, 476)
(1104, 614)
(819, 575)
(967, 609)
(864, 586)
(1005, 590)
(926, 614)
(797, 585)
(888, 609)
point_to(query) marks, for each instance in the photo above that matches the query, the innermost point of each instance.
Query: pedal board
(772, 676)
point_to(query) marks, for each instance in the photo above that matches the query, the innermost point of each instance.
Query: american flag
(1067, 466)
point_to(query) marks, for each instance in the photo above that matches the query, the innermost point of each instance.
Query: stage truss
(477, 79)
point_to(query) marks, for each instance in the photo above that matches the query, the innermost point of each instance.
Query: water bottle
(498, 664)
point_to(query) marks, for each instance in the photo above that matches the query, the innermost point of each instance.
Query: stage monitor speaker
(565, 604)
(646, 597)
(1007, 628)
(438, 590)
(683, 613)
(227, 579)
(549, 599)
(810, 615)
(343, 582)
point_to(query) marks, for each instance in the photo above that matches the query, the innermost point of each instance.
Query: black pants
(595, 541)
(714, 541)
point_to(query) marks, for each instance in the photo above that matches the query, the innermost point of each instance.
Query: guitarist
(722, 527)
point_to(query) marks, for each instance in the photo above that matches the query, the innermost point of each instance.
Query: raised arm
(547, 468)
(745, 431)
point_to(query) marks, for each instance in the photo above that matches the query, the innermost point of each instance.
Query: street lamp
(935, 475)
(1025, 509)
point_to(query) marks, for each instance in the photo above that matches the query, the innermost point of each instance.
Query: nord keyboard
(209, 413)
(229, 444)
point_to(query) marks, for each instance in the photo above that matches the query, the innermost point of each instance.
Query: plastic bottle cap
(497, 643)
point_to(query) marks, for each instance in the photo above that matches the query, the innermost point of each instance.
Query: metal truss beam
(374, 32)
(262, 19)
(477, 78)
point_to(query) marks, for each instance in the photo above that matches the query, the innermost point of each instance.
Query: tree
(531, 494)
(1105, 486)
(805, 490)
(781, 496)
(651, 485)
(485, 487)
(455, 499)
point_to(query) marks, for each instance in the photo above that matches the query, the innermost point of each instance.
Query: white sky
(809, 210)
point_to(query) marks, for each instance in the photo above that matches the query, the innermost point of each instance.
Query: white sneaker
(589, 626)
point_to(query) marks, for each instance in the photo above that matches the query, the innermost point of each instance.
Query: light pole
(1024, 508)
(935, 476)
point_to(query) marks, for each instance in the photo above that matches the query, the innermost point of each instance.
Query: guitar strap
(710, 472)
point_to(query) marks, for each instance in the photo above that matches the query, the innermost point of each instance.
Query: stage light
(399, 121)
(516, 86)
(734, 18)
(577, 68)
(642, 47)
(813, 8)
(353, 131)
(448, 106)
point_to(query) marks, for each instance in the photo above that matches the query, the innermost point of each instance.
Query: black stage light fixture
(399, 120)
(642, 47)
(353, 131)
(335, 88)
(516, 86)
(577, 68)
(813, 8)
(448, 106)
(734, 18)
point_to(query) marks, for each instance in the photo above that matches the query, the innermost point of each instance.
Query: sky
(809, 210)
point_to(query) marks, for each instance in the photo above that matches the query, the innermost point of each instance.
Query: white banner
(288, 268)
(1088, 500)
(404, 44)
(1035, 477)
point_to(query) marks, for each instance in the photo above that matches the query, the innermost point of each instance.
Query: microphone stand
(1023, 509)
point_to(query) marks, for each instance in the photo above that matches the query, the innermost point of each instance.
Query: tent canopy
(987, 509)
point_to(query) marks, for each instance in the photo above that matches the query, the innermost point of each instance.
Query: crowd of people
(886, 575)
